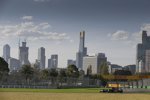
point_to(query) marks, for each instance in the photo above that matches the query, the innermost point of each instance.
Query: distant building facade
(131, 68)
(41, 57)
(49, 63)
(37, 64)
(114, 67)
(71, 62)
(141, 56)
(13, 64)
(23, 54)
(82, 51)
(93, 63)
(6, 52)
(147, 60)
(53, 61)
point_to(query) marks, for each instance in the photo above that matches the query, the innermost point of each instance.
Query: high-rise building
(53, 61)
(147, 60)
(23, 54)
(141, 53)
(13, 64)
(71, 62)
(41, 57)
(6, 52)
(79, 60)
(82, 40)
(49, 63)
(93, 63)
(101, 58)
(82, 51)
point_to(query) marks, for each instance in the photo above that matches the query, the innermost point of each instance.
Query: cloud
(138, 35)
(119, 35)
(27, 17)
(45, 25)
(32, 31)
(133, 39)
(146, 27)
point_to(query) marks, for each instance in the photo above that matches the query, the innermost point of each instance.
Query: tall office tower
(41, 57)
(81, 44)
(141, 53)
(101, 59)
(13, 64)
(53, 61)
(6, 52)
(71, 62)
(93, 63)
(147, 60)
(82, 51)
(49, 63)
(23, 54)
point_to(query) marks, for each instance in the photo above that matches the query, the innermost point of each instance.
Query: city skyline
(41, 53)
(113, 27)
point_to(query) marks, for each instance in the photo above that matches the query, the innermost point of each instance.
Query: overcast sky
(112, 27)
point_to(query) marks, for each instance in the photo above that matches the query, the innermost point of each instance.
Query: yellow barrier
(123, 77)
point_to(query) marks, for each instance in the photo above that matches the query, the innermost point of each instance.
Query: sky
(112, 27)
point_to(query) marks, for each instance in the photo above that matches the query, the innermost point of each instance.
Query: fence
(51, 83)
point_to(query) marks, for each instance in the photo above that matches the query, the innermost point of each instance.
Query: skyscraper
(41, 57)
(6, 52)
(53, 61)
(49, 63)
(82, 51)
(147, 60)
(82, 39)
(141, 53)
(13, 64)
(23, 54)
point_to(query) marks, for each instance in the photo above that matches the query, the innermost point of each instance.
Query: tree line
(29, 74)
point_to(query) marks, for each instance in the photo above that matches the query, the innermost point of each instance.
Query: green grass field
(67, 94)
(76, 90)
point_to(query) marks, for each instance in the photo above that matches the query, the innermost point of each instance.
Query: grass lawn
(75, 90)
(70, 96)
(67, 94)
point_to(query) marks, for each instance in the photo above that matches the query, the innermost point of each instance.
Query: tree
(104, 69)
(89, 70)
(62, 76)
(103, 81)
(62, 73)
(72, 71)
(27, 71)
(53, 72)
(45, 74)
(36, 75)
(72, 74)
(81, 74)
(15, 77)
(3, 68)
